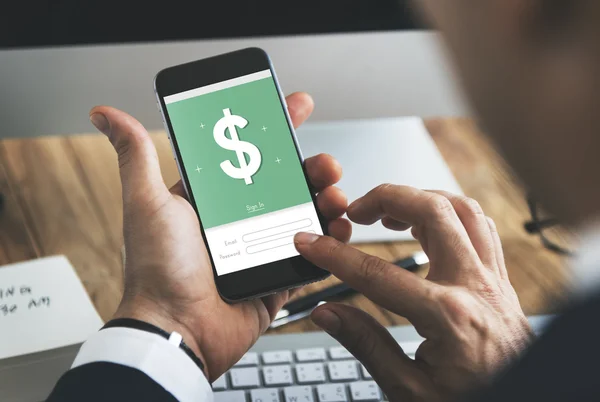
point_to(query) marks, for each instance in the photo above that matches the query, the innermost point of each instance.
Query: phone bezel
(263, 279)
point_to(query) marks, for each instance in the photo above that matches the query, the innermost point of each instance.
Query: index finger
(432, 214)
(395, 289)
(403, 204)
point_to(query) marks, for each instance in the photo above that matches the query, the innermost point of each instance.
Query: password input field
(275, 231)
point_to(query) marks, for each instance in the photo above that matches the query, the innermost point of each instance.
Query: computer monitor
(359, 59)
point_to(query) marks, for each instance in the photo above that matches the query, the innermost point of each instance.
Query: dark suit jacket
(108, 382)
(563, 365)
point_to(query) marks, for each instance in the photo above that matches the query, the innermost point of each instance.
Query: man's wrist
(144, 310)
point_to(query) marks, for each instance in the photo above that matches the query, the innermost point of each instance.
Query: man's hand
(466, 309)
(168, 276)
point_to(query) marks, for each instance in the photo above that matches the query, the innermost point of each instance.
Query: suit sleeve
(102, 382)
(122, 364)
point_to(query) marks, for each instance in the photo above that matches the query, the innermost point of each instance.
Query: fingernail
(328, 320)
(305, 238)
(101, 123)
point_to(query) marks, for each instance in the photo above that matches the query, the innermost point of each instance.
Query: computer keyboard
(310, 367)
(302, 375)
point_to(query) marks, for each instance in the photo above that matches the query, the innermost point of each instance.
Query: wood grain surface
(61, 195)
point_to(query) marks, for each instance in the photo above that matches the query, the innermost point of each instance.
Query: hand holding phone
(168, 277)
(242, 170)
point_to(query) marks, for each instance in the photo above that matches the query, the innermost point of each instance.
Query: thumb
(396, 374)
(138, 161)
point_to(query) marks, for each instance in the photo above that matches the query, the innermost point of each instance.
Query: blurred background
(370, 66)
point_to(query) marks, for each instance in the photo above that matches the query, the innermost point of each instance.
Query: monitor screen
(76, 22)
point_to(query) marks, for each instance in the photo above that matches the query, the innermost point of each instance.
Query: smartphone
(238, 156)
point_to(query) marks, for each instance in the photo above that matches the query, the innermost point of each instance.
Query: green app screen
(243, 170)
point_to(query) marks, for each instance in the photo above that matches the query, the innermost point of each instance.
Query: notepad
(45, 316)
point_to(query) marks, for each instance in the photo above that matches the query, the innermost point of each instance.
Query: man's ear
(538, 22)
(553, 23)
(555, 20)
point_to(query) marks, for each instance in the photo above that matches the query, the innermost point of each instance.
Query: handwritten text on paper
(20, 298)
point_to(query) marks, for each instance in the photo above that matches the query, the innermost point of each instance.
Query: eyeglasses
(553, 237)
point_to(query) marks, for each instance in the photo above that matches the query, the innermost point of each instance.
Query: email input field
(274, 232)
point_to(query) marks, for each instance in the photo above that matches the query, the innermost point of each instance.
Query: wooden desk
(62, 196)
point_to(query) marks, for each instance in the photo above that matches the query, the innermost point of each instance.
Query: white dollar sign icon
(246, 170)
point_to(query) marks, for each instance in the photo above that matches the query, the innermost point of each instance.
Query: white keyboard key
(340, 353)
(365, 373)
(277, 357)
(264, 395)
(244, 377)
(249, 359)
(332, 393)
(278, 375)
(230, 396)
(310, 355)
(220, 383)
(365, 391)
(345, 370)
(310, 373)
(298, 394)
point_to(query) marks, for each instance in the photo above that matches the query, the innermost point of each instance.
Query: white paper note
(43, 306)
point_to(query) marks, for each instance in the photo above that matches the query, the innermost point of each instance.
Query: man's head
(531, 69)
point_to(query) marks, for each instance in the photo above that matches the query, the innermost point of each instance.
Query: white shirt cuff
(155, 356)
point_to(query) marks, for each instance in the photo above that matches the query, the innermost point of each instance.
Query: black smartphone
(243, 171)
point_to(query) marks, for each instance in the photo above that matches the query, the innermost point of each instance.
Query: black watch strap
(147, 327)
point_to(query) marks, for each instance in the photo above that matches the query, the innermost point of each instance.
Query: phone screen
(244, 172)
